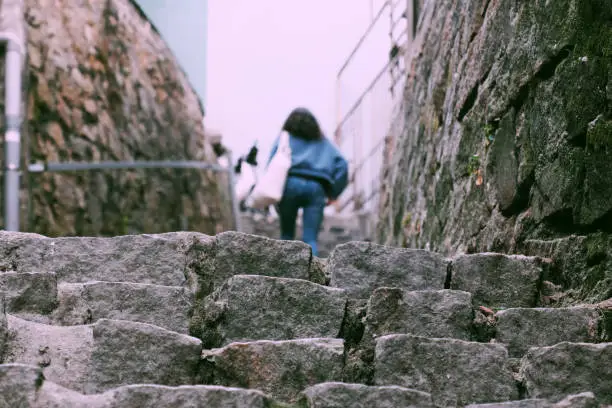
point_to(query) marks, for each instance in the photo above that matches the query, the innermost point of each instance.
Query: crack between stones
(472, 97)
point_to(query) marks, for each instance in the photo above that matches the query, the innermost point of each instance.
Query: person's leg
(313, 215)
(288, 209)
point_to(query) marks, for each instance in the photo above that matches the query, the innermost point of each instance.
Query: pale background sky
(266, 57)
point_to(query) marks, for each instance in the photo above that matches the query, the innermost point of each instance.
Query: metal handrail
(159, 164)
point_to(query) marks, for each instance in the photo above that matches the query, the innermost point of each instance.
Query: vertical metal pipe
(12, 137)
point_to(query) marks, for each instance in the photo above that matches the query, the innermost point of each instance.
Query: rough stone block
(51, 395)
(281, 369)
(318, 271)
(497, 279)
(434, 313)
(138, 353)
(523, 328)
(568, 368)
(3, 332)
(341, 395)
(18, 385)
(29, 292)
(153, 396)
(244, 254)
(252, 307)
(154, 259)
(528, 403)
(165, 306)
(361, 267)
(63, 353)
(583, 400)
(454, 372)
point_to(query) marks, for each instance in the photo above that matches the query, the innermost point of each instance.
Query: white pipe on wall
(15, 52)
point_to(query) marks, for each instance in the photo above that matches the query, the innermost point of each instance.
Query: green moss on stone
(600, 133)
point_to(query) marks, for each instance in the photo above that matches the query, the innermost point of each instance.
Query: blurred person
(316, 178)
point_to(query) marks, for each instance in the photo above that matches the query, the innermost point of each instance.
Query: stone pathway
(237, 320)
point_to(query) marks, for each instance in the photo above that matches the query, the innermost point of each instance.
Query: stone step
(154, 259)
(361, 267)
(583, 400)
(568, 368)
(25, 387)
(522, 328)
(29, 292)
(430, 313)
(172, 259)
(342, 395)
(281, 369)
(497, 279)
(454, 372)
(492, 279)
(255, 307)
(164, 306)
(107, 354)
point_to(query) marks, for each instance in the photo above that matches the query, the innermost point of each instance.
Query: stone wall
(508, 137)
(103, 85)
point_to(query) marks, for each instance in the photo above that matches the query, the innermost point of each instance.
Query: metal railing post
(12, 136)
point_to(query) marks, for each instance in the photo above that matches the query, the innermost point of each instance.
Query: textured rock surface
(244, 254)
(28, 292)
(25, 386)
(3, 332)
(520, 329)
(478, 372)
(341, 395)
(498, 280)
(501, 143)
(568, 368)
(440, 313)
(63, 353)
(251, 307)
(155, 259)
(360, 340)
(18, 384)
(582, 400)
(164, 306)
(103, 85)
(121, 347)
(279, 368)
(361, 267)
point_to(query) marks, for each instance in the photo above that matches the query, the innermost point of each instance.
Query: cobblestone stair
(237, 320)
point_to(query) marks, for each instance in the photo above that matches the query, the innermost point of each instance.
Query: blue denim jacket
(320, 159)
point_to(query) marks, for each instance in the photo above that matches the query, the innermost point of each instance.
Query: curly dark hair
(302, 123)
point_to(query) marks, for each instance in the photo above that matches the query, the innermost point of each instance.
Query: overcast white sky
(266, 57)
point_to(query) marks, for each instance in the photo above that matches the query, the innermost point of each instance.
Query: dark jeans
(309, 195)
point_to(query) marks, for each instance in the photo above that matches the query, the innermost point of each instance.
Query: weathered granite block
(252, 307)
(454, 372)
(568, 368)
(281, 369)
(244, 254)
(138, 353)
(434, 313)
(29, 291)
(497, 279)
(342, 395)
(523, 328)
(361, 267)
(164, 306)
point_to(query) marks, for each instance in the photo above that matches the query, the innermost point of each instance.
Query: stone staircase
(236, 320)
